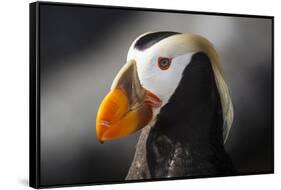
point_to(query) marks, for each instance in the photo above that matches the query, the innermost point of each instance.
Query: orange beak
(126, 108)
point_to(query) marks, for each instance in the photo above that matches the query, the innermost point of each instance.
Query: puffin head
(154, 68)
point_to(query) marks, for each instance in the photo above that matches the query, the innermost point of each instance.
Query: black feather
(150, 39)
(186, 139)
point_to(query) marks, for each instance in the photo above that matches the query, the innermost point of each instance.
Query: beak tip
(100, 140)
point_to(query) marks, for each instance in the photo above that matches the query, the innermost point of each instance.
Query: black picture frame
(35, 96)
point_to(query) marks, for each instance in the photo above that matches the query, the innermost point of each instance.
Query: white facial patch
(162, 83)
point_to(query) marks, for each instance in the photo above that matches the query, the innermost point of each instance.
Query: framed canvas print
(120, 94)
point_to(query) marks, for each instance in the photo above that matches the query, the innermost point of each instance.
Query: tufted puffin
(172, 87)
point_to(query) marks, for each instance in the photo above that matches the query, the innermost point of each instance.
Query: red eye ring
(164, 63)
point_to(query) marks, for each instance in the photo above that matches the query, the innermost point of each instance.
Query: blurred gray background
(82, 49)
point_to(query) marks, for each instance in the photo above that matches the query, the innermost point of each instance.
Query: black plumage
(187, 137)
(150, 39)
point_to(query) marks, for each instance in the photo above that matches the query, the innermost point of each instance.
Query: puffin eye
(164, 63)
